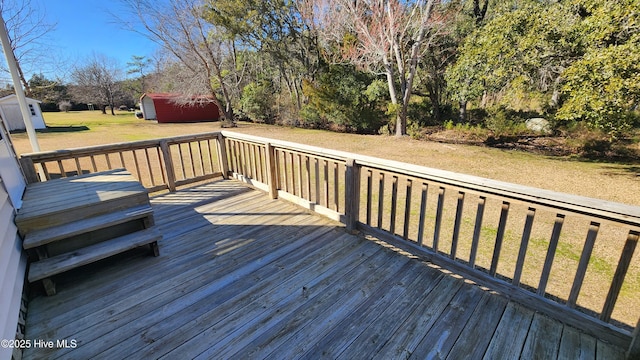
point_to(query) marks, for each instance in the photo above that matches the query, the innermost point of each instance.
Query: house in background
(164, 108)
(12, 117)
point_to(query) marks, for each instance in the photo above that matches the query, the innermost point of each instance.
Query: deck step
(45, 236)
(57, 202)
(46, 268)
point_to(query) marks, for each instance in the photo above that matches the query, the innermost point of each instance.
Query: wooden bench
(71, 222)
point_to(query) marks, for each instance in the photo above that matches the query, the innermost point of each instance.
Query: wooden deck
(243, 276)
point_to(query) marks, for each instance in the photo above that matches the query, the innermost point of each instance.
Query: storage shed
(164, 108)
(12, 117)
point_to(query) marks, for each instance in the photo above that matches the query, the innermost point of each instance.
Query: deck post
(352, 195)
(29, 170)
(168, 165)
(271, 170)
(222, 156)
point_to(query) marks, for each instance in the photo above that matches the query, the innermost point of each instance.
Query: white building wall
(148, 108)
(12, 116)
(13, 265)
(13, 261)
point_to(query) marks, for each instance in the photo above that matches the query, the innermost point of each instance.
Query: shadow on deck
(243, 276)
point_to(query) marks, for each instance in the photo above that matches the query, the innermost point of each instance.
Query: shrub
(345, 98)
(506, 122)
(257, 102)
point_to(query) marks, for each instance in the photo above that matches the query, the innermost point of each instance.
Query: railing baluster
(299, 183)
(78, 167)
(407, 210)
(122, 163)
(369, 189)
(618, 277)
(380, 199)
(262, 156)
(423, 213)
(202, 167)
(254, 163)
(193, 164)
(436, 229)
(317, 166)
(551, 253)
(210, 157)
(285, 172)
(46, 172)
(244, 161)
(504, 213)
(524, 244)
(307, 175)
(326, 183)
(456, 225)
(146, 154)
(162, 164)
(93, 163)
(589, 242)
(239, 156)
(184, 174)
(135, 162)
(62, 172)
(108, 161)
(477, 230)
(293, 173)
(336, 187)
(231, 157)
(394, 203)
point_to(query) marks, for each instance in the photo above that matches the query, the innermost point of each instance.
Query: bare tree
(27, 29)
(384, 36)
(98, 82)
(178, 26)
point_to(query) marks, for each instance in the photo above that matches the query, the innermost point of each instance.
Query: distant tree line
(380, 65)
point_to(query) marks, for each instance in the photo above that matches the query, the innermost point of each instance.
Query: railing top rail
(44, 156)
(603, 209)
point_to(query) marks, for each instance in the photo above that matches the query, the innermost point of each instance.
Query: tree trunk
(462, 112)
(401, 122)
(104, 109)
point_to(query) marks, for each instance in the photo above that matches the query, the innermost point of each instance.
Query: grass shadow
(55, 129)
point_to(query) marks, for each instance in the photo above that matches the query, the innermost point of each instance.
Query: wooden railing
(161, 164)
(564, 255)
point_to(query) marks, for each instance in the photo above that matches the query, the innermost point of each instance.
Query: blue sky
(85, 27)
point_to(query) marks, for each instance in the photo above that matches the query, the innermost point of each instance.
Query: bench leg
(155, 251)
(49, 286)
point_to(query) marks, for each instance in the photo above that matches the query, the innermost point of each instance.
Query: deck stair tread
(68, 200)
(55, 265)
(45, 236)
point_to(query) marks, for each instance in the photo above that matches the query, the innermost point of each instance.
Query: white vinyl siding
(13, 263)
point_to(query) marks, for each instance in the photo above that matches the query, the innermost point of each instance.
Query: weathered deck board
(244, 276)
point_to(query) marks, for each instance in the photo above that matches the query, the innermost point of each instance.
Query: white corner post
(22, 100)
